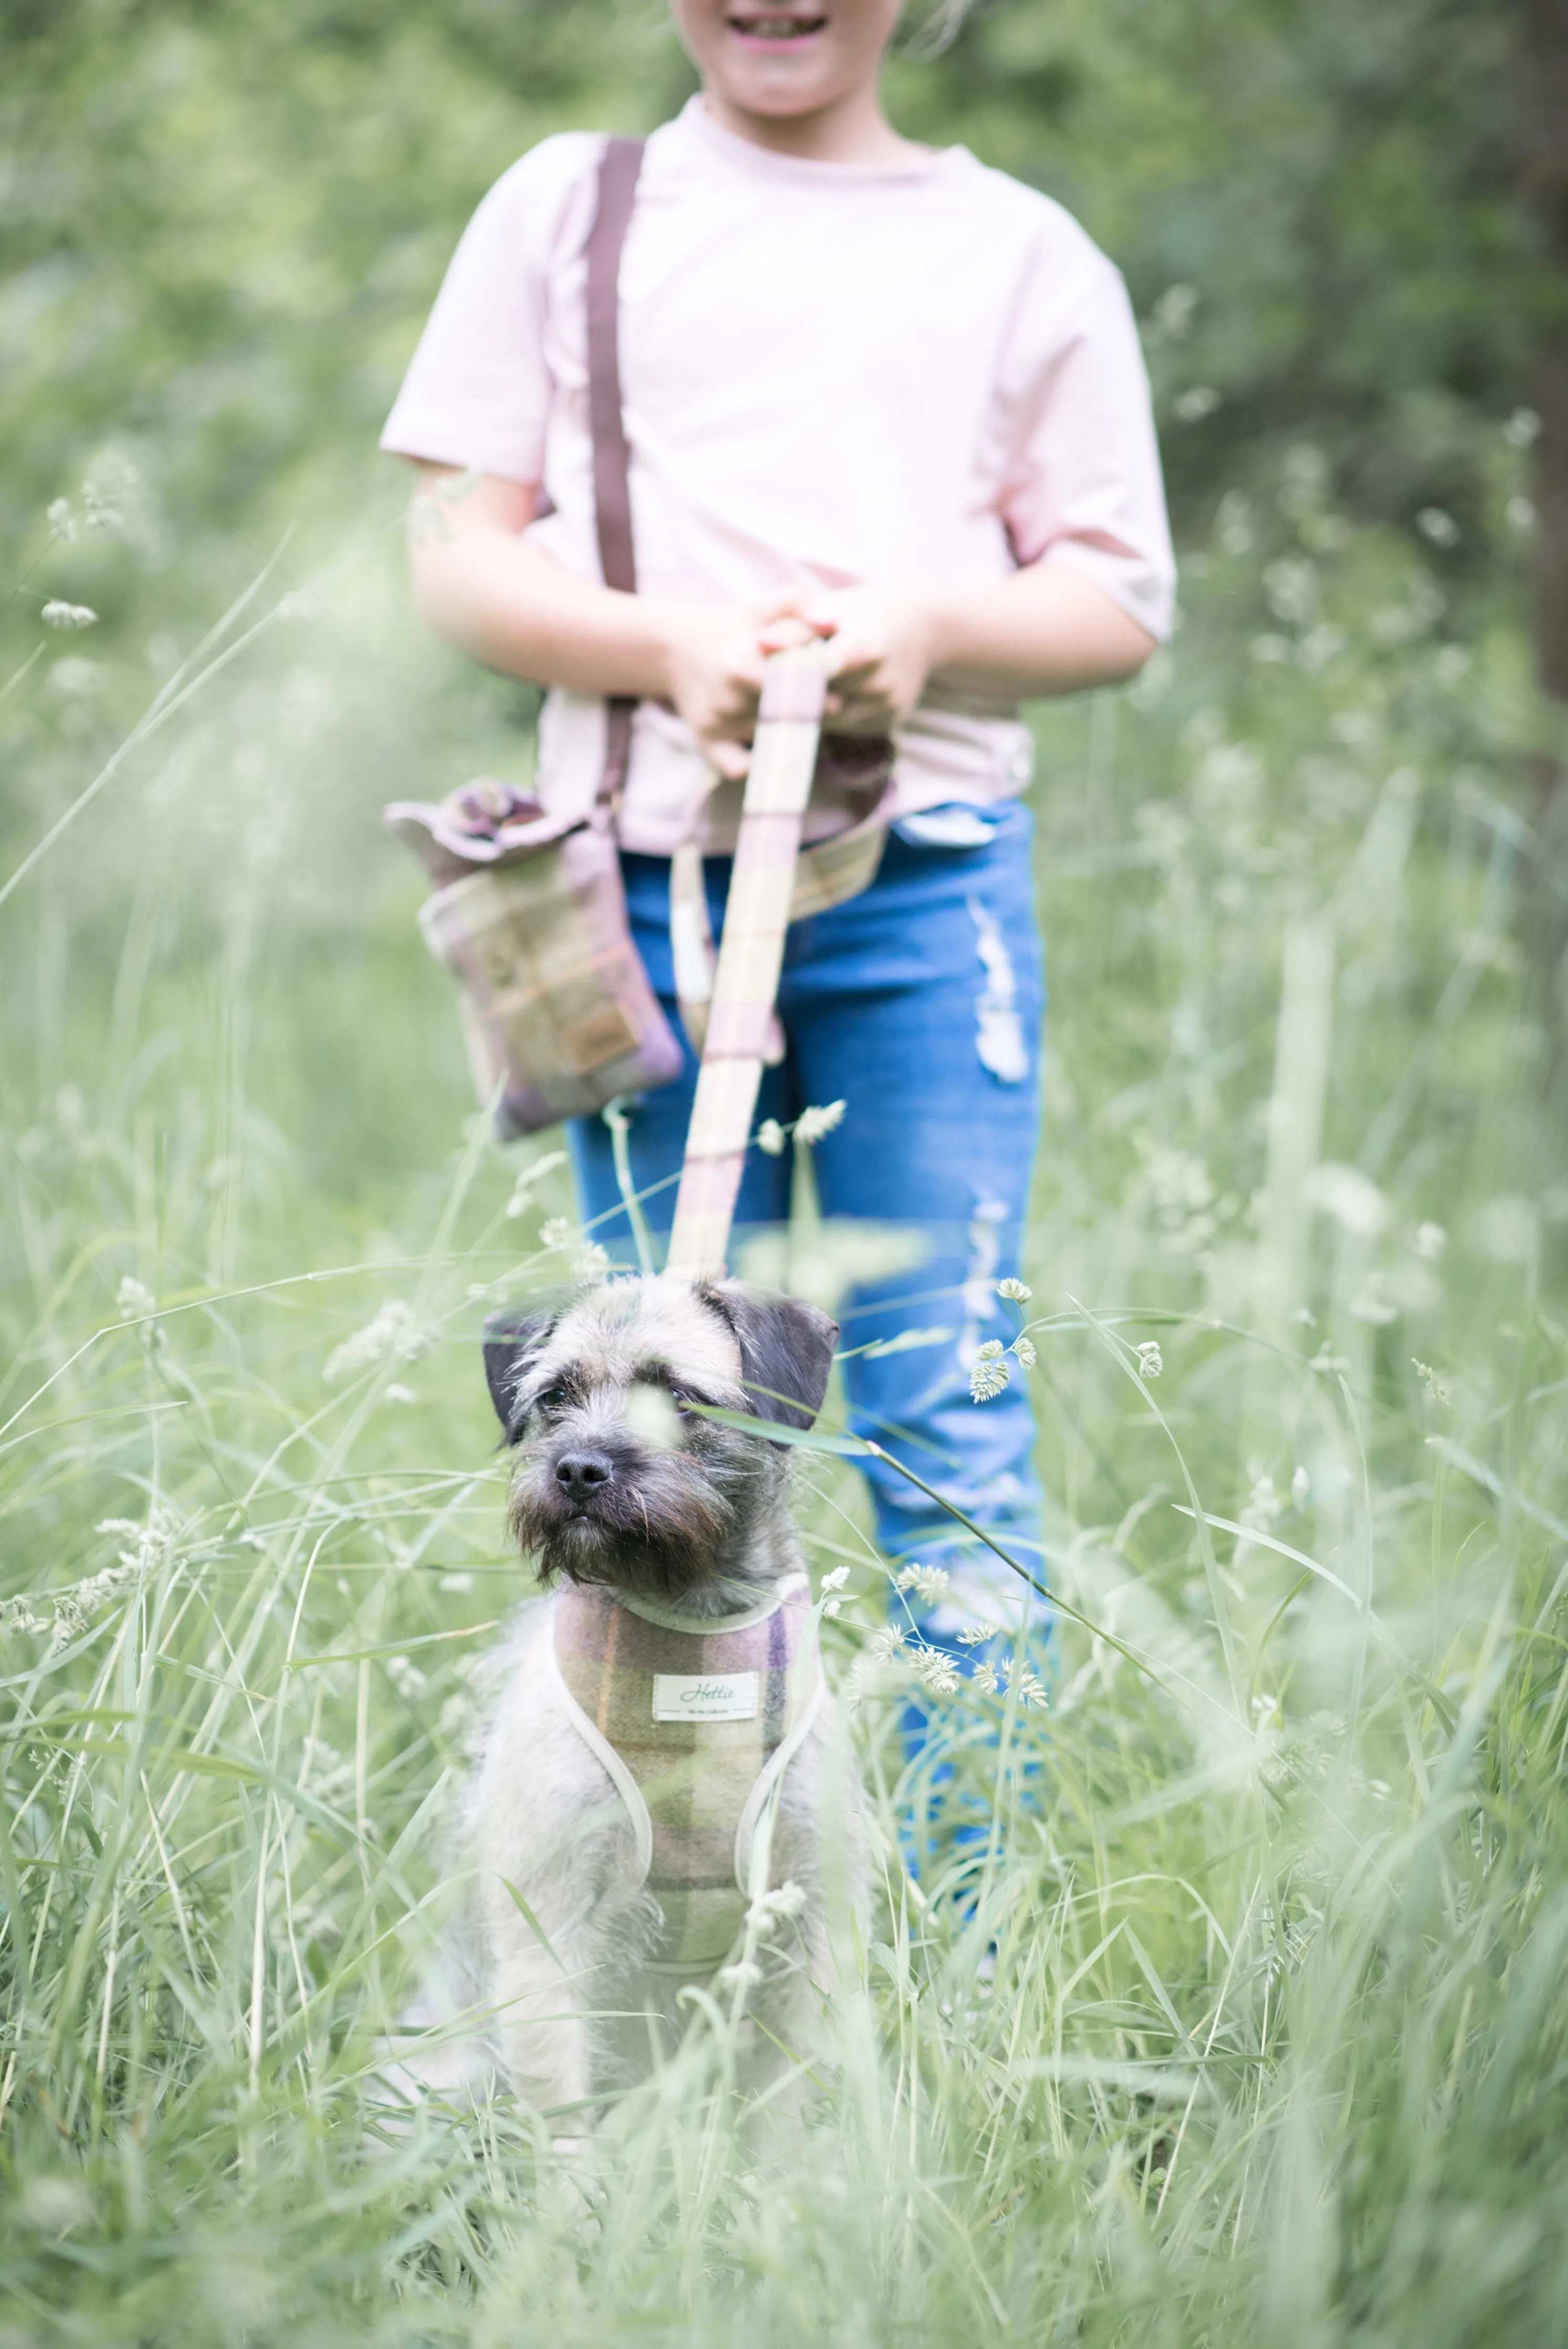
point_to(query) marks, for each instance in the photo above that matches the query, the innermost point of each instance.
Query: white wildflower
(58, 615)
(1025, 1350)
(836, 1579)
(61, 521)
(398, 1392)
(744, 1974)
(16, 1615)
(1014, 1290)
(983, 1678)
(813, 1123)
(1026, 1684)
(1350, 1198)
(558, 1232)
(393, 1335)
(977, 1635)
(145, 1547)
(776, 1908)
(771, 1137)
(324, 1773)
(529, 1180)
(455, 1582)
(886, 1643)
(1299, 1488)
(1372, 1303)
(1436, 1391)
(989, 1374)
(133, 1301)
(926, 1582)
(405, 1677)
(1430, 1242)
(101, 513)
(936, 1671)
(1150, 1360)
(1263, 1505)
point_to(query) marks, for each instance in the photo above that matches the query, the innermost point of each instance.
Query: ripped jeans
(920, 1004)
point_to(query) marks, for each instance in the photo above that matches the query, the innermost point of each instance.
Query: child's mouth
(774, 27)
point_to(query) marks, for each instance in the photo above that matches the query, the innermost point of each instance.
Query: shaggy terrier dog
(661, 1750)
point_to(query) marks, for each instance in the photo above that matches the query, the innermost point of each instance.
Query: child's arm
(513, 607)
(1048, 629)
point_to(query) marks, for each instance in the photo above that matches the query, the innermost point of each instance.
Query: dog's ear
(786, 1351)
(513, 1338)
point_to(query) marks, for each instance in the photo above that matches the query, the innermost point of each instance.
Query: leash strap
(618, 170)
(751, 956)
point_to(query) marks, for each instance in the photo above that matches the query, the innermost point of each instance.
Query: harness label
(705, 1696)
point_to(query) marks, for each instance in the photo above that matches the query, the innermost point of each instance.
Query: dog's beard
(660, 1525)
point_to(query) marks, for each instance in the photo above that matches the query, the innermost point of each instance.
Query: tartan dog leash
(751, 956)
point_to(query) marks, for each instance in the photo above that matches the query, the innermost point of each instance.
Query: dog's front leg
(554, 1850)
(543, 2031)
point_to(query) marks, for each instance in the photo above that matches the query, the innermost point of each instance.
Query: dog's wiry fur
(617, 1483)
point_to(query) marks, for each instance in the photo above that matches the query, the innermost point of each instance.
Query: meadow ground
(1253, 2029)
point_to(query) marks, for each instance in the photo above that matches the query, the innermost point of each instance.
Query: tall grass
(1251, 2027)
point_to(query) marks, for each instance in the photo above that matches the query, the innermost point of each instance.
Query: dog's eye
(552, 1398)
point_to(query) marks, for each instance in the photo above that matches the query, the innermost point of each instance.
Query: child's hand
(882, 647)
(714, 672)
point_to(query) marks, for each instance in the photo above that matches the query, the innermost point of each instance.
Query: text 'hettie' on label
(705, 1696)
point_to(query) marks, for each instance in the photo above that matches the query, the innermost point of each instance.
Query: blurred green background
(1261, 2038)
(224, 228)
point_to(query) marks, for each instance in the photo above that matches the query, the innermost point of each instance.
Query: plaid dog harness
(696, 1720)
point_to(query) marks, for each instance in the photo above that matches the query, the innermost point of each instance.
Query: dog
(662, 1754)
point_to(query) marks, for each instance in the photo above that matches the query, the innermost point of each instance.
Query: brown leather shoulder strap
(619, 168)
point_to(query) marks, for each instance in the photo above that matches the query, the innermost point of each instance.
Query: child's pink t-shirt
(915, 376)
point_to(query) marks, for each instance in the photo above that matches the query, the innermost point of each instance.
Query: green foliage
(1247, 2025)
(224, 227)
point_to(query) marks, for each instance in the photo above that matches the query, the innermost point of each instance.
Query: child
(879, 392)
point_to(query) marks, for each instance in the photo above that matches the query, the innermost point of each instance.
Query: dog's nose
(580, 1473)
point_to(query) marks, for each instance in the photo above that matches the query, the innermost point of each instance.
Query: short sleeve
(477, 390)
(1083, 481)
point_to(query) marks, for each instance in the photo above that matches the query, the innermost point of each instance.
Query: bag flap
(482, 824)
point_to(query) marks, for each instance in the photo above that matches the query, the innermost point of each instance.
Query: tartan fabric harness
(696, 1720)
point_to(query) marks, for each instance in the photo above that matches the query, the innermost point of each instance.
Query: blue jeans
(919, 1003)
